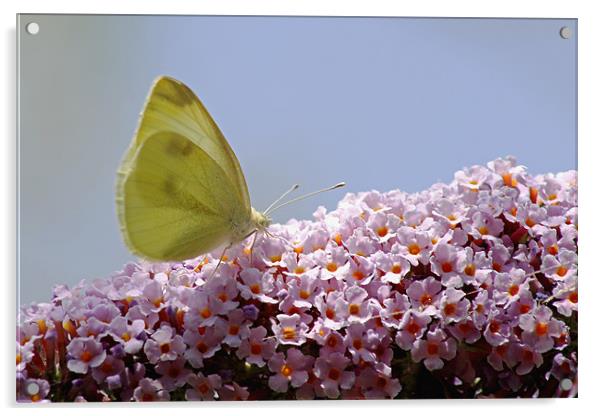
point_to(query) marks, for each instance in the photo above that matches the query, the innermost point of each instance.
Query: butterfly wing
(180, 188)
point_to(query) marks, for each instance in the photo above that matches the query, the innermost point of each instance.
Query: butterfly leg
(252, 245)
(221, 258)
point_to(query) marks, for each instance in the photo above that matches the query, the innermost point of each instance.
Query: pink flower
(425, 295)
(539, 328)
(111, 366)
(395, 308)
(290, 330)
(257, 349)
(149, 390)
(257, 285)
(85, 353)
(375, 385)
(164, 345)
(291, 370)
(126, 334)
(414, 246)
(173, 373)
(231, 392)
(445, 263)
(566, 293)
(484, 226)
(527, 359)
(334, 262)
(436, 348)
(237, 328)
(383, 225)
(560, 267)
(413, 325)
(203, 342)
(353, 306)
(327, 306)
(454, 307)
(394, 266)
(203, 388)
(331, 372)
(502, 353)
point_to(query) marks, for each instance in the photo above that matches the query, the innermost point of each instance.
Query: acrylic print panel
(446, 268)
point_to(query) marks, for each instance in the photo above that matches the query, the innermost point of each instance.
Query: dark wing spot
(170, 186)
(178, 147)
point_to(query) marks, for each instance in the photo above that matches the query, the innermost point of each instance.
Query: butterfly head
(260, 221)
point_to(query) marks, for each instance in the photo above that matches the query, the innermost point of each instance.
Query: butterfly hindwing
(175, 201)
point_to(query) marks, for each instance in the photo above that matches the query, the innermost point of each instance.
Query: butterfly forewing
(180, 188)
(171, 106)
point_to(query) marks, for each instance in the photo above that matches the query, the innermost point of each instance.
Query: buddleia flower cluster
(467, 289)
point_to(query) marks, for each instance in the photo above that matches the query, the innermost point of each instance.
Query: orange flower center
(446, 267)
(553, 250)
(470, 270)
(165, 348)
(255, 289)
(299, 270)
(494, 327)
(106, 367)
(396, 268)
(334, 374)
(338, 238)
(533, 194)
(513, 290)
(483, 230)
(331, 341)
(541, 328)
(509, 180)
(573, 297)
(524, 308)
(382, 231)
(450, 309)
(358, 275)
(203, 388)
(432, 348)
(206, 313)
(529, 222)
(330, 313)
(202, 347)
(303, 294)
(233, 330)
(86, 356)
(255, 349)
(354, 309)
(332, 267)
(276, 258)
(298, 249)
(414, 249)
(412, 327)
(464, 327)
(561, 271)
(289, 332)
(357, 344)
(286, 371)
(426, 299)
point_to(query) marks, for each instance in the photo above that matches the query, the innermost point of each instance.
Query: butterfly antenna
(292, 188)
(330, 188)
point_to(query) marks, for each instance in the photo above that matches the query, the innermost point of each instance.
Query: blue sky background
(380, 103)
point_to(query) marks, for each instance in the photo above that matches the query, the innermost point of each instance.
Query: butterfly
(180, 188)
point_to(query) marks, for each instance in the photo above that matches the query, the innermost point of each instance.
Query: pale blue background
(381, 103)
